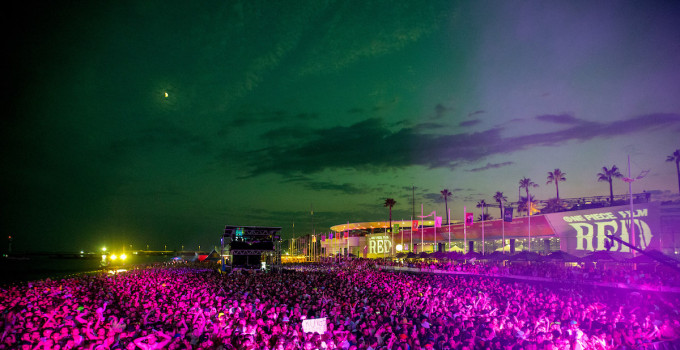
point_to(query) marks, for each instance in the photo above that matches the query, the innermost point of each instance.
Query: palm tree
(675, 157)
(607, 175)
(484, 217)
(446, 194)
(482, 204)
(522, 204)
(500, 199)
(526, 183)
(556, 176)
(552, 206)
(389, 202)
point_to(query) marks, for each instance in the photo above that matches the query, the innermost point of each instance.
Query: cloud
(440, 110)
(371, 145)
(467, 123)
(490, 166)
(558, 118)
(437, 197)
(244, 119)
(345, 188)
(343, 39)
(428, 126)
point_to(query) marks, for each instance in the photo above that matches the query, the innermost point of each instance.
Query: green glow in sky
(158, 122)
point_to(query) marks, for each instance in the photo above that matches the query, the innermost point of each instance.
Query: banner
(378, 245)
(314, 325)
(346, 234)
(314, 239)
(438, 221)
(414, 225)
(330, 235)
(507, 214)
(586, 230)
(323, 237)
(469, 219)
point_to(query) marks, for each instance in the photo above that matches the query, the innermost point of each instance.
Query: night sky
(275, 107)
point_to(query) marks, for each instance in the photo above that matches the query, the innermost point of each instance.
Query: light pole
(483, 219)
(630, 181)
(529, 214)
(503, 222)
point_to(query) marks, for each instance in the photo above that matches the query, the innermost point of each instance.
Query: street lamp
(630, 181)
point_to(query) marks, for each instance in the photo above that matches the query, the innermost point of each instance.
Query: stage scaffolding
(251, 242)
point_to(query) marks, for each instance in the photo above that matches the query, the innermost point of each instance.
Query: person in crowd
(194, 307)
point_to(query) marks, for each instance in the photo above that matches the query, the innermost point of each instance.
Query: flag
(438, 221)
(323, 237)
(330, 235)
(469, 219)
(314, 239)
(346, 234)
(414, 225)
(507, 214)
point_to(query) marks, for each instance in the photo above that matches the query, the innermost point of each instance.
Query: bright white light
(123, 256)
(82, 252)
(166, 94)
(113, 257)
(104, 249)
(104, 257)
(399, 247)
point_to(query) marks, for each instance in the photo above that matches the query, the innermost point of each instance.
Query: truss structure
(252, 234)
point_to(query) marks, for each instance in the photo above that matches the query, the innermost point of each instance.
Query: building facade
(578, 232)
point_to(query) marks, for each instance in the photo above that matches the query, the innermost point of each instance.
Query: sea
(25, 268)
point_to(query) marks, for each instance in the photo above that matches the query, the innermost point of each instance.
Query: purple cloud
(467, 123)
(558, 119)
(490, 166)
(371, 145)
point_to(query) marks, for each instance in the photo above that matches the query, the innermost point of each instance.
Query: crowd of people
(651, 275)
(184, 306)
